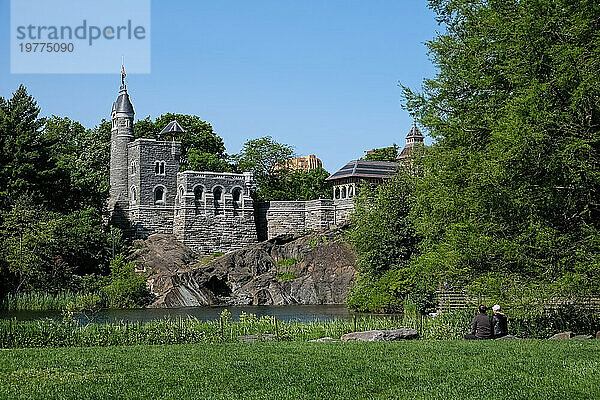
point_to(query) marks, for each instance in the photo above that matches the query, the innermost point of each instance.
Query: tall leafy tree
(27, 231)
(263, 156)
(510, 192)
(309, 185)
(82, 155)
(266, 159)
(284, 184)
(54, 177)
(386, 243)
(27, 164)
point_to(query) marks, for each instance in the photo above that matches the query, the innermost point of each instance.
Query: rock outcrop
(507, 337)
(313, 269)
(161, 257)
(571, 335)
(562, 336)
(582, 337)
(381, 335)
(325, 339)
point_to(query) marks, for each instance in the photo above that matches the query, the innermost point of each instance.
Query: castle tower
(121, 135)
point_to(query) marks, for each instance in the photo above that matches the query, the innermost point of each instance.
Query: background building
(414, 138)
(347, 180)
(305, 163)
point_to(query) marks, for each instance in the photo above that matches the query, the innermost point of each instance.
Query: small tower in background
(414, 137)
(121, 135)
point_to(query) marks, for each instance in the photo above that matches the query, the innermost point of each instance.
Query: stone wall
(343, 208)
(145, 153)
(146, 215)
(207, 224)
(276, 218)
(283, 217)
(147, 220)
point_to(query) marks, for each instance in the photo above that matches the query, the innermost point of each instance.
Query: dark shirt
(481, 326)
(500, 324)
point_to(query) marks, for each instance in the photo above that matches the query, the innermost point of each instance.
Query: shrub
(125, 288)
(374, 294)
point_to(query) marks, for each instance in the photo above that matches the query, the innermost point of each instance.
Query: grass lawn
(523, 369)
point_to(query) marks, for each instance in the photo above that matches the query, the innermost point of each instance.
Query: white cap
(496, 308)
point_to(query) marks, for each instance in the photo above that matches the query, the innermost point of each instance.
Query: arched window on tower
(237, 195)
(343, 195)
(198, 194)
(237, 199)
(337, 192)
(133, 195)
(350, 191)
(162, 167)
(159, 195)
(133, 167)
(217, 195)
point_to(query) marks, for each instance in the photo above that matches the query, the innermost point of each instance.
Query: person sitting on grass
(499, 322)
(481, 327)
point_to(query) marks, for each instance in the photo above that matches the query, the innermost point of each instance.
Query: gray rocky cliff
(317, 268)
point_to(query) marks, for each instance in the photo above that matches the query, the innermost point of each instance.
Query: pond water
(301, 313)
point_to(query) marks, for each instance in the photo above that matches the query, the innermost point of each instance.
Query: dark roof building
(363, 169)
(346, 180)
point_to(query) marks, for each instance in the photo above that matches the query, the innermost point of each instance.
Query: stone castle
(210, 211)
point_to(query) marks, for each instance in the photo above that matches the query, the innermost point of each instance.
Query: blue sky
(319, 75)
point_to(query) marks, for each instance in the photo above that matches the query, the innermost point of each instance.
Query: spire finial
(122, 72)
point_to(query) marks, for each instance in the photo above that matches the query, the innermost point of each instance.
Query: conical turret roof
(123, 104)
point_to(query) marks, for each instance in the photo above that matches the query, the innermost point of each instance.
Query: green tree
(44, 249)
(284, 184)
(386, 243)
(125, 287)
(309, 185)
(28, 233)
(263, 156)
(384, 154)
(83, 156)
(511, 187)
(27, 162)
(54, 176)
(202, 148)
(266, 159)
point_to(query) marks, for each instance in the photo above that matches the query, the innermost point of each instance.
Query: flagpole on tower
(122, 71)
